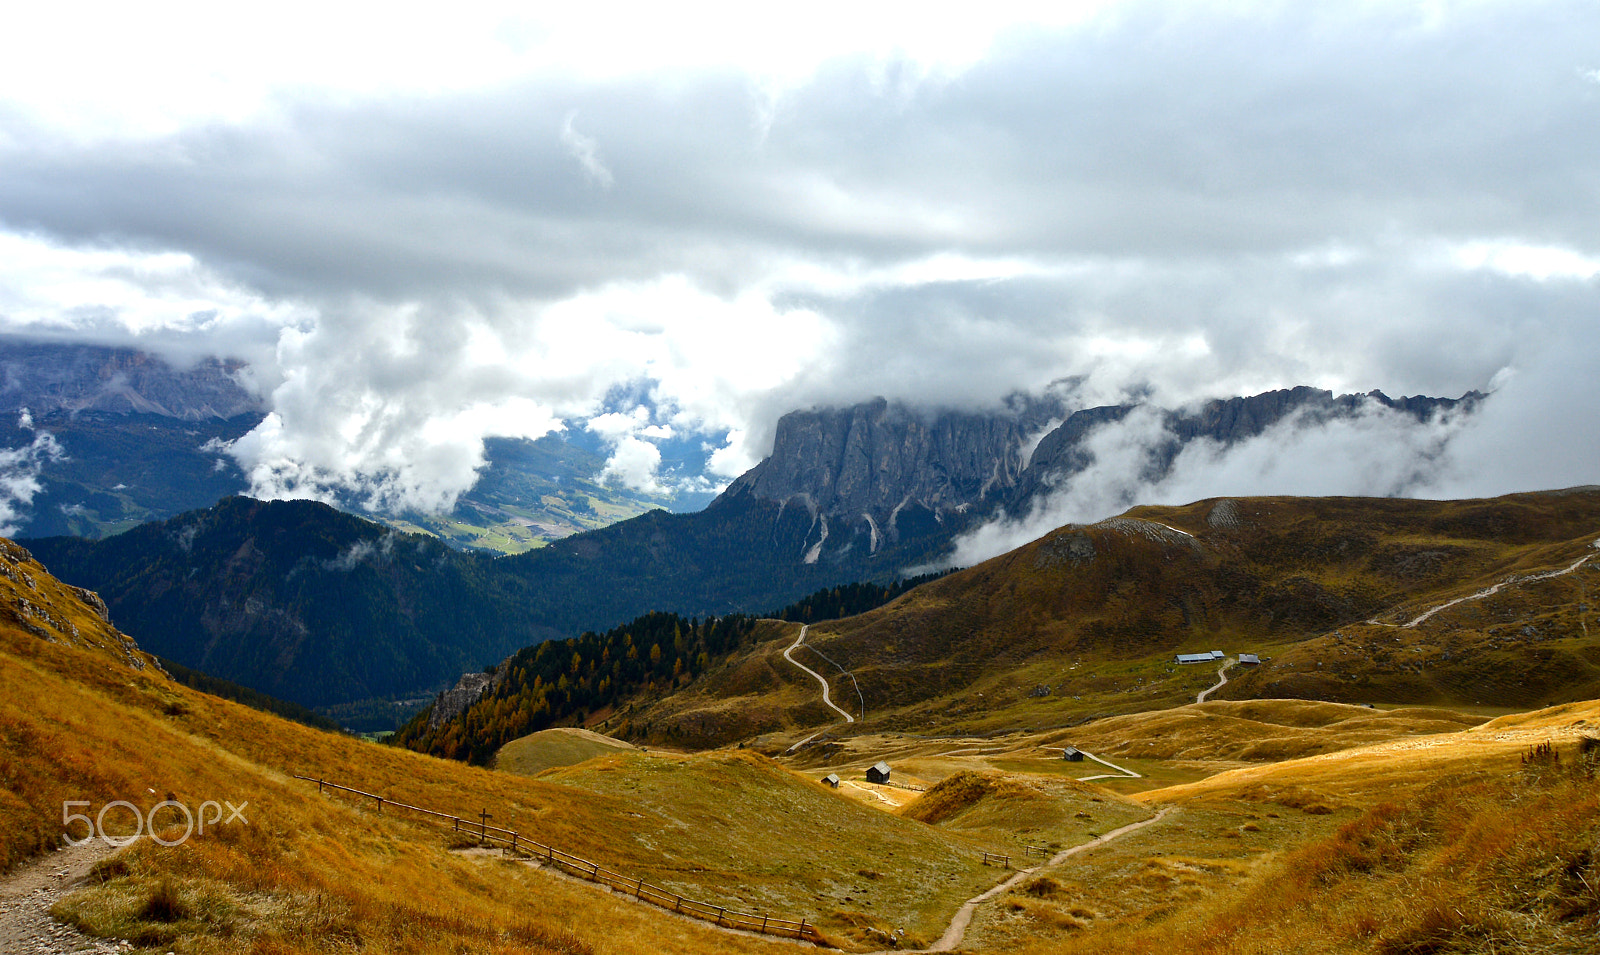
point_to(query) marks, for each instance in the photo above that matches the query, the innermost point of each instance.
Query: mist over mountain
(48, 377)
(880, 474)
(95, 440)
(862, 493)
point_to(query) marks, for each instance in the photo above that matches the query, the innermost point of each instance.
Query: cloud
(1520, 438)
(20, 469)
(634, 462)
(1175, 200)
(586, 150)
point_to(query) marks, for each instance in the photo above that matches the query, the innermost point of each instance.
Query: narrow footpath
(957, 932)
(1486, 592)
(27, 895)
(1126, 773)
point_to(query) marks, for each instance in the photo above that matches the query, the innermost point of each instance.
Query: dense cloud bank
(471, 234)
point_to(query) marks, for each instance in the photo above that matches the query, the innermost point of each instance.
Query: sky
(678, 224)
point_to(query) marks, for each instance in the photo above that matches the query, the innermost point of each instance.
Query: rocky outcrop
(45, 378)
(869, 462)
(454, 701)
(865, 471)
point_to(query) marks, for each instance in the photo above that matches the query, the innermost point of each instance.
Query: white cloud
(586, 150)
(1168, 199)
(1539, 262)
(634, 462)
(19, 473)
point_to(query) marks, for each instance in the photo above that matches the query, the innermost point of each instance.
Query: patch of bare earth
(28, 894)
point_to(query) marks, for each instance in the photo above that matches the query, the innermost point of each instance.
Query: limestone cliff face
(871, 461)
(867, 472)
(55, 377)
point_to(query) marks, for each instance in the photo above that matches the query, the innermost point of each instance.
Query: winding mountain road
(826, 698)
(1486, 592)
(1222, 681)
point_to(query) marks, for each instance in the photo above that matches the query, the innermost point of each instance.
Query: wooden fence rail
(583, 868)
(995, 858)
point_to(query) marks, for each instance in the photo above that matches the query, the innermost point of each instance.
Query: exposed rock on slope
(34, 601)
(868, 462)
(50, 377)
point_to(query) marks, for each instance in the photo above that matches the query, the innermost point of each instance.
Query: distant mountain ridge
(301, 601)
(858, 471)
(849, 495)
(870, 461)
(46, 378)
(142, 439)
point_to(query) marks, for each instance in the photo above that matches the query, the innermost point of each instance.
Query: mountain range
(1356, 600)
(240, 590)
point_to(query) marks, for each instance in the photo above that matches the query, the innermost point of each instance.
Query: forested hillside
(301, 601)
(569, 679)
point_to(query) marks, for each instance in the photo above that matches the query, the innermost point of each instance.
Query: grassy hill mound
(786, 840)
(547, 749)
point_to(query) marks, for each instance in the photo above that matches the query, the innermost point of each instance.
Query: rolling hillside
(1437, 839)
(1086, 621)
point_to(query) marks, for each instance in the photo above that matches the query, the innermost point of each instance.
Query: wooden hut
(878, 773)
(1072, 755)
(832, 779)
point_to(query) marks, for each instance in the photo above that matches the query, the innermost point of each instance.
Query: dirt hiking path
(27, 895)
(957, 931)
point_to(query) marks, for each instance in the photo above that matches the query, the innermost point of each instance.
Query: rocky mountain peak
(49, 377)
(870, 460)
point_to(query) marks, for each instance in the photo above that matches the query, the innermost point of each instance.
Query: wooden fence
(515, 842)
(995, 858)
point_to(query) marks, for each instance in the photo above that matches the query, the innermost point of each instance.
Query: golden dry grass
(548, 749)
(1500, 860)
(775, 840)
(1369, 774)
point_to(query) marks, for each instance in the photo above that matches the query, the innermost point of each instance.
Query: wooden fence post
(802, 933)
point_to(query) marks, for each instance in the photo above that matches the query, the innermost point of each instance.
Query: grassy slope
(791, 844)
(308, 871)
(1284, 577)
(1303, 855)
(547, 749)
(80, 724)
(1445, 844)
